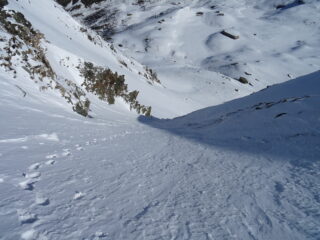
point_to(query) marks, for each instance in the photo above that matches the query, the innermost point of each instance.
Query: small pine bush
(108, 85)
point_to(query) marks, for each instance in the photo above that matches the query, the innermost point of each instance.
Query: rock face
(85, 2)
(102, 20)
(3, 3)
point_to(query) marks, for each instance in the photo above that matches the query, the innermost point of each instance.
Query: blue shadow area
(282, 121)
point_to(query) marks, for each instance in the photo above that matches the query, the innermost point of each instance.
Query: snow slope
(245, 169)
(69, 43)
(226, 172)
(182, 41)
(275, 45)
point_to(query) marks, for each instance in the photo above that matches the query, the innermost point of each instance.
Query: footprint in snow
(32, 178)
(50, 162)
(32, 175)
(26, 217)
(28, 184)
(32, 234)
(80, 148)
(66, 152)
(29, 235)
(34, 166)
(78, 195)
(99, 235)
(41, 200)
(52, 156)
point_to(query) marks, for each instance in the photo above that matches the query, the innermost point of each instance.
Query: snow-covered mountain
(240, 164)
(275, 40)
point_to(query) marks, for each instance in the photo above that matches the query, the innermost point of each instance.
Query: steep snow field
(245, 169)
(274, 45)
(226, 172)
(68, 46)
(182, 41)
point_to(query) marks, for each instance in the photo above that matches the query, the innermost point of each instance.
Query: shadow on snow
(281, 121)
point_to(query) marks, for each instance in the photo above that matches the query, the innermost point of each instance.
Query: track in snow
(141, 183)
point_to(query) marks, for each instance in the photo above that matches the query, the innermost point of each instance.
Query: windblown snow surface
(248, 168)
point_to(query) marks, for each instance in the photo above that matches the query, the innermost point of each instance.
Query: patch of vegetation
(122, 62)
(75, 96)
(112, 48)
(108, 85)
(243, 80)
(151, 75)
(25, 42)
(24, 47)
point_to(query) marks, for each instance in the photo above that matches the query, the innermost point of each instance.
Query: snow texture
(229, 166)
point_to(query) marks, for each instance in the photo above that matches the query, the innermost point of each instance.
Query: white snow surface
(184, 38)
(245, 169)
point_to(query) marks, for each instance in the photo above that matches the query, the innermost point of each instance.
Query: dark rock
(3, 3)
(87, 3)
(280, 114)
(243, 80)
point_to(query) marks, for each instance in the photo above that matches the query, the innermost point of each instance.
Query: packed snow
(235, 166)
